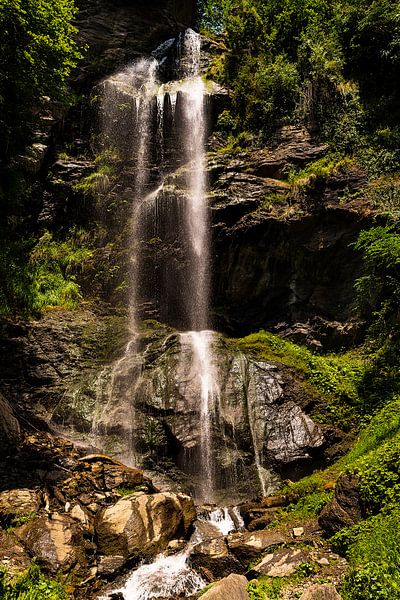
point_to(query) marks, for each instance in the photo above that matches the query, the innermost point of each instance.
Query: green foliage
(37, 54)
(307, 507)
(265, 588)
(379, 288)
(331, 65)
(41, 273)
(31, 585)
(19, 520)
(372, 547)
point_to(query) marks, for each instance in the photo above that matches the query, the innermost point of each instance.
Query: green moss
(336, 376)
(31, 585)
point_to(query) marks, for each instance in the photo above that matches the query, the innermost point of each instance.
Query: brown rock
(233, 587)
(18, 503)
(57, 542)
(345, 509)
(9, 426)
(246, 546)
(12, 555)
(142, 525)
(321, 592)
(213, 557)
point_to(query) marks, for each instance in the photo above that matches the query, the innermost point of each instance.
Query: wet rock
(213, 557)
(233, 587)
(56, 541)
(282, 563)
(141, 525)
(118, 32)
(9, 426)
(345, 509)
(249, 545)
(321, 592)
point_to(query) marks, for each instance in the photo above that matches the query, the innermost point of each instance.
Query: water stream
(171, 575)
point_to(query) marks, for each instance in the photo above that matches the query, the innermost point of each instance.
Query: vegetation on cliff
(37, 54)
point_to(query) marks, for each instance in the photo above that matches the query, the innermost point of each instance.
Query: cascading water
(183, 102)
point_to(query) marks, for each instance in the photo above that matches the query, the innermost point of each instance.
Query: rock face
(9, 426)
(233, 587)
(18, 503)
(117, 32)
(141, 525)
(345, 509)
(254, 416)
(278, 257)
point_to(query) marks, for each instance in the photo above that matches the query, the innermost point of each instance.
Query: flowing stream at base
(172, 575)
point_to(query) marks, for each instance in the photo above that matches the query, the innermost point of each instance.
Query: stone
(109, 565)
(18, 503)
(233, 587)
(345, 509)
(324, 591)
(298, 531)
(282, 563)
(142, 525)
(81, 515)
(9, 426)
(13, 557)
(56, 541)
(213, 557)
(324, 562)
(247, 546)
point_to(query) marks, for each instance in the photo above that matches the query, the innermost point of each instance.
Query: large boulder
(143, 525)
(233, 587)
(281, 563)
(55, 540)
(345, 509)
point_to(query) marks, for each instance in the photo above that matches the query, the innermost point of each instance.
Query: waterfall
(183, 100)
